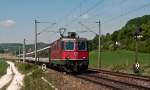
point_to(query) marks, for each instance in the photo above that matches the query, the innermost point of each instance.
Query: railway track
(134, 76)
(116, 80)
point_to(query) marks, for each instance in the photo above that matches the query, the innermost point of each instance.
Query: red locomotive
(70, 53)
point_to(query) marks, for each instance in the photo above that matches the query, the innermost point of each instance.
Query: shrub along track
(3, 67)
(116, 80)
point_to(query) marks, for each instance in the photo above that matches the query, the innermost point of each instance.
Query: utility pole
(36, 34)
(19, 54)
(99, 48)
(35, 22)
(24, 50)
(136, 49)
(137, 35)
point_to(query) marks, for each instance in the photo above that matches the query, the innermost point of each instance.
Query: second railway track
(134, 76)
(116, 80)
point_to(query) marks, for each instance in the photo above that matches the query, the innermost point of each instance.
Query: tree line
(124, 38)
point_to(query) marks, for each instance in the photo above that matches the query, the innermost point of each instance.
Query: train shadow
(85, 72)
(89, 71)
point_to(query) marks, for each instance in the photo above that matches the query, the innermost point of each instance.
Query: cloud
(7, 23)
(85, 16)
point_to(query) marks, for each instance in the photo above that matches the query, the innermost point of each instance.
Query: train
(69, 53)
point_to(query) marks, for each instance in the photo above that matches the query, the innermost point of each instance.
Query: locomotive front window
(82, 45)
(68, 45)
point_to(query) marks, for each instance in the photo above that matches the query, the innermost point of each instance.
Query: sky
(17, 17)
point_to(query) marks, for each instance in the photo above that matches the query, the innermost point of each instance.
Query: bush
(3, 67)
(26, 67)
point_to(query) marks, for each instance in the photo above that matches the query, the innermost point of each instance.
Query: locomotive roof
(66, 38)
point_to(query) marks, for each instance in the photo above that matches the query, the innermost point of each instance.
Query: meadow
(120, 59)
(3, 67)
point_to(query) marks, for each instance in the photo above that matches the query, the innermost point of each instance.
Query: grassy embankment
(121, 60)
(3, 67)
(32, 81)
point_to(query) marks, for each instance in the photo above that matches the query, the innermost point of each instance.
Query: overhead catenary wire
(124, 14)
(46, 29)
(66, 16)
(72, 11)
(87, 28)
(120, 3)
(87, 11)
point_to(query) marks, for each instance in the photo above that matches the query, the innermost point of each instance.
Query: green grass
(26, 67)
(120, 59)
(32, 81)
(3, 67)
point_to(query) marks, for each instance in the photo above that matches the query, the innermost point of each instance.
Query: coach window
(68, 45)
(82, 45)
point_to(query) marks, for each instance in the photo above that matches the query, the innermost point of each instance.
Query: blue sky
(17, 17)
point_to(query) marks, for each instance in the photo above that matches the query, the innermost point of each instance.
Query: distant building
(117, 43)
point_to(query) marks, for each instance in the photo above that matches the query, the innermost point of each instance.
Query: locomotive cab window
(68, 45)
(82, 45)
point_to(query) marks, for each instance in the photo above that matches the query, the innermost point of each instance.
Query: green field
(119, 59)
(3, 67)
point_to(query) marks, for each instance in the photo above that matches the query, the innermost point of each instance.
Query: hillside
(125, 36)
(14, 47)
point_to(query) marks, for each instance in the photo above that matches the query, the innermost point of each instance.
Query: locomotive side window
(68, 45)
(82, 45)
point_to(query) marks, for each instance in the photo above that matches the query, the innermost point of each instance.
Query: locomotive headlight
(67, 57)
(84, 57)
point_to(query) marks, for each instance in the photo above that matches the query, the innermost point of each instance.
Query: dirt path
(17, 78)
(6, 78)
